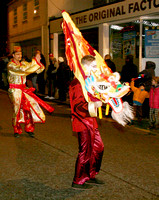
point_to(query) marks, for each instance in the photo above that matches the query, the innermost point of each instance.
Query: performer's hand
(98, 104)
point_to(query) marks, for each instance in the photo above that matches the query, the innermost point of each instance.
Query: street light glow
(35, 11)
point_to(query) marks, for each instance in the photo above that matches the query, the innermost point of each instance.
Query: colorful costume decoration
(90, 143)
(25, 102)
(103, 84)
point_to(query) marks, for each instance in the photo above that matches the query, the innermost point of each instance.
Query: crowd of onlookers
(143, 95)
(52, 85)
(3, 71)
(59, 76)
(144, 92)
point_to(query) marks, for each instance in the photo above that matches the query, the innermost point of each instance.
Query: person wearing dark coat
(62, 78)
(40, 78)
(129, 71)
(110, 63)
(51, 78)
(147, 75)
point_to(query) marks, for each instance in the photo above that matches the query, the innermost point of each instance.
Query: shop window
(150, 38)
(91, 35)
(25, 13)
(15, 16)
(36, 7)
(124, 40)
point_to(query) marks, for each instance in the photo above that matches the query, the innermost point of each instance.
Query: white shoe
(47, 97)
(51, 98)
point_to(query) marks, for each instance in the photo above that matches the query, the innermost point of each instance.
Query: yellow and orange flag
(104, 84)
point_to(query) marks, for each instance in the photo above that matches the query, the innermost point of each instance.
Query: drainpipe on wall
(103, 39)
(140, 46)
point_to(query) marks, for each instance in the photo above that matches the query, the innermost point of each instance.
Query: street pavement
(42, 168)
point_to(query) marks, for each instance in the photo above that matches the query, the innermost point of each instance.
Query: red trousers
(90, 155)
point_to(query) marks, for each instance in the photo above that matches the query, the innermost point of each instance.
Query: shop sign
(152, 43)
(129, 43)
(118, 11)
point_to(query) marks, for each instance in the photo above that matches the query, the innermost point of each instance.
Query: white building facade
(127, 27)
(28, 22)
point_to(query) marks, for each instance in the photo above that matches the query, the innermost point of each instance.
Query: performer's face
(17, 56)
(38, 56)
(91, 67)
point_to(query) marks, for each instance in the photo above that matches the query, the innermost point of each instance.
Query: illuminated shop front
(121, 29)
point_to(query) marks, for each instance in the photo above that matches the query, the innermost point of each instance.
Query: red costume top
(79, 108)
(154, 97)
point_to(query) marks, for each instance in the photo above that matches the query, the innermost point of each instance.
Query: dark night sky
(3, 30)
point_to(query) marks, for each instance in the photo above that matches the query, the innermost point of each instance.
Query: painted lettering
(91, 17)
(107, 12)
(130, 7)
(112, 12)
(120, 10)
(136, 7)
(103, 14)
(142, 6)
(155, 4)
(95, 16)
(149, 1)
(85, 19)
(82, 19)
(123, 12)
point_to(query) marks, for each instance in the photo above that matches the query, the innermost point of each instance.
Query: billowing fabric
(25, 102)
(102, 83)
(90, 143)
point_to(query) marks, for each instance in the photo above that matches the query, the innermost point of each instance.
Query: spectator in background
(154, 104)
(51, 77)
(147, 74)
(62, 78)
(129, 71)
(139, 97)
(110, 63)
(40, 77)
(5, 60)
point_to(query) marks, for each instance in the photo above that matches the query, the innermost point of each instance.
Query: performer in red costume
(90, 143)
(25, 102)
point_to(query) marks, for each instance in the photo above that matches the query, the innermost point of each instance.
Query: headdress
(51, 55)
(17, 49)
